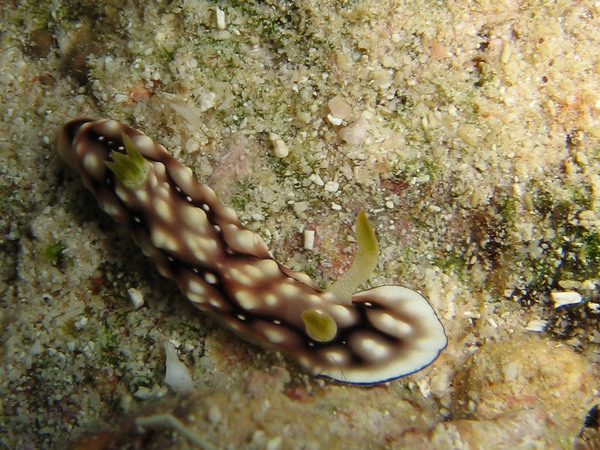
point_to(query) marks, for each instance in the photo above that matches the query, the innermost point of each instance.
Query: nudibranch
(226, 270)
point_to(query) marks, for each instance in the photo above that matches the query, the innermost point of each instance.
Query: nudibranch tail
(226, 270)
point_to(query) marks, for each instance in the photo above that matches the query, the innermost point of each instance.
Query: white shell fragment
(565, 298)
(220, 16)
(208, 100)
(309, 239)
(335, 120)
(189, 113)
(136, 297)
(368, 337)
(177, 376)
(536, 325)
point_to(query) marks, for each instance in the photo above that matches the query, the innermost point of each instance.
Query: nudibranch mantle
(226, 270)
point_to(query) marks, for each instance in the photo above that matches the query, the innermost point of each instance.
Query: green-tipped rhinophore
(364, 262)
(132, 169)
(318, 325)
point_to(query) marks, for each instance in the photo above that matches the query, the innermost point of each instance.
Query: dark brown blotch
(40, 43)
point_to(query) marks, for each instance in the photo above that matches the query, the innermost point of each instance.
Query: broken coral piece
(223, 268)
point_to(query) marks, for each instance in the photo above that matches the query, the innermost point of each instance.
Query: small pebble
(332, 186)
(82, 322)
(280, 150)
(316, 179)
(275, 443)
(214, 414)
(339, 108)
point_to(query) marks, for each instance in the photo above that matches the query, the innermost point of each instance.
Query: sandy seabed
(469, 132)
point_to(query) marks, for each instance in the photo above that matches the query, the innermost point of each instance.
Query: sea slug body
(226, 270)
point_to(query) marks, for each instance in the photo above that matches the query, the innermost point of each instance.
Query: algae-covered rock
(505, 377)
